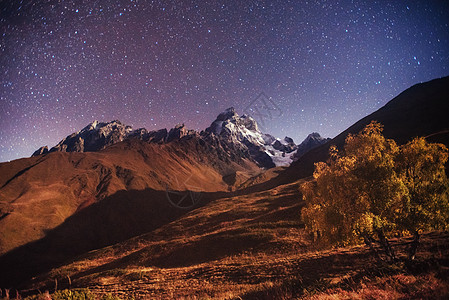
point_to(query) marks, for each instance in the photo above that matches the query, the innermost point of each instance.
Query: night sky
(322, 65)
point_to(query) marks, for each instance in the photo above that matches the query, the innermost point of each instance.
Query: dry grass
(348, 273)
(401, 286)
(246, 245)
(253, 247)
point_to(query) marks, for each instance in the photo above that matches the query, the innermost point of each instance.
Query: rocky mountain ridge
(58, 211)
(231, 133)
(312, 141)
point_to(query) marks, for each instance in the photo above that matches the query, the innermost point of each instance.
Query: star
(325, 66)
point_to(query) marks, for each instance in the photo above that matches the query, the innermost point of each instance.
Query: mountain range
(110, 201)
(234, 135)
(106, 157)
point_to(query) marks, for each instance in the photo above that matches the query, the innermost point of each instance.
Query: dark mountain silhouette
(421, 110)
(312, 141)
(57, 207)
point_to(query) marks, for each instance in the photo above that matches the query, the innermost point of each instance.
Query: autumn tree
(420, 165)
(364, 193)
(354, 196)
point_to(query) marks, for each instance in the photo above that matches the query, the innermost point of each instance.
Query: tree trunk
(386, 245)
(413, 246)
(369, 242)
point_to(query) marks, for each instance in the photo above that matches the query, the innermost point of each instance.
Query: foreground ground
(345, 273)
(249, 246)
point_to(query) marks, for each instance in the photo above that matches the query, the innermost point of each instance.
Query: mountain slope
(249, 246)
(418, 111)
(225, 224)
(39, 193)
(69, 204)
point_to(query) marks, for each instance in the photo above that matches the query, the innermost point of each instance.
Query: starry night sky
(153, 64)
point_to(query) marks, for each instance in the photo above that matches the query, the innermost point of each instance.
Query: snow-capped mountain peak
(237, 135)
(243, 132)
(313, 140)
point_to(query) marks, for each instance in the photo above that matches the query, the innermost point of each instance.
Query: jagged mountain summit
(243, 132)
(99, 135)
(93, 137)
(312, 141)
(236, 135)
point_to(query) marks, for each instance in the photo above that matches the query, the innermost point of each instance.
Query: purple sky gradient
(154, 64)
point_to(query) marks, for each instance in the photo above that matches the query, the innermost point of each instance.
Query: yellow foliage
(376, 185)
(421, 167)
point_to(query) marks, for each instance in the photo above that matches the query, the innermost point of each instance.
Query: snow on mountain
(244, 131)
(313, 140)
(239, 136)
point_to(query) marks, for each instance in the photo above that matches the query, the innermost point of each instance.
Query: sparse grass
(73, 294)
(398, 286)
(347, 273)
(252, 247)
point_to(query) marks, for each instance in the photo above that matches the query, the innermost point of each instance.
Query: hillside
(41, 192)
(193, 218)
(418, 111)
(249, 246)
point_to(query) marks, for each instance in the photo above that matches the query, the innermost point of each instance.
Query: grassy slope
(39, 193)
(264, 222)
(251, 246)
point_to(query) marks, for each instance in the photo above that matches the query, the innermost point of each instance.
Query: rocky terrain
(236, 135)
(213, 214)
